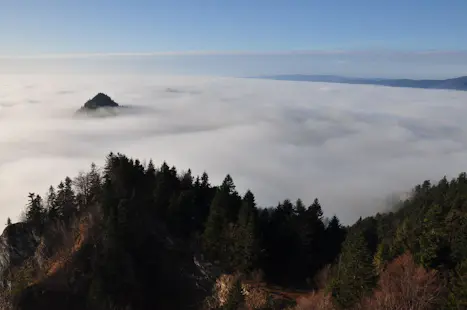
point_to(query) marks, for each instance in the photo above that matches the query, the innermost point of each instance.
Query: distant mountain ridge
(459, 83)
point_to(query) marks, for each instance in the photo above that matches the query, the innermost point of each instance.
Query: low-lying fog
(349, 145)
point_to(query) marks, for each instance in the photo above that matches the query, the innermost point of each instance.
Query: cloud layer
(349, 145)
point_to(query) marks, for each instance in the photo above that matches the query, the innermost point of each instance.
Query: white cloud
(349, 145)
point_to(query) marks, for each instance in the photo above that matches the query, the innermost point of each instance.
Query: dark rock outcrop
(100, 105)
(18, 242)
(100, 101)
(166, 269)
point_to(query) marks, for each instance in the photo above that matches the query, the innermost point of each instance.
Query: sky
(360, 37)
(351, 146)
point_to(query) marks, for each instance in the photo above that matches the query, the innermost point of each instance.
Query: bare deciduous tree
(404, 285)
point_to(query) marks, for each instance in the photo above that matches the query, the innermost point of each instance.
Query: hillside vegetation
(133, 236)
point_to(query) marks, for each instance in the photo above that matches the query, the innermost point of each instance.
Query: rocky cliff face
(167, 268)
(100, 101)
(101, 105)
(18, 242)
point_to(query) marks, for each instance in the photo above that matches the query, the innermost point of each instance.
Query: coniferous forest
(134, 236)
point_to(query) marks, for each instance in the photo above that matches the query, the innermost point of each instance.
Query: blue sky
(400, 27)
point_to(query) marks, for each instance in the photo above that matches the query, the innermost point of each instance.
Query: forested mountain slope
(139, 237)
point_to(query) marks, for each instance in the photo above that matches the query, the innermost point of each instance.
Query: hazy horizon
(365, 64)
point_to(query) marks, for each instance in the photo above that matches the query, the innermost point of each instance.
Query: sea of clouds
(352, 146)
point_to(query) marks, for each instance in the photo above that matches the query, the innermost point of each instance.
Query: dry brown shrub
(315, 301)
(71, 240)
(5, 301)
(254, 294)
(255, 297)
(57, 256)
(322, 277)
(222, 289)
(405, 286)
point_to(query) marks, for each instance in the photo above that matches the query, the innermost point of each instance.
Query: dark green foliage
(245, 250)
(458, 295)
(456, 225)
(182, 213)
(35, 211)
(295, 243)
(431, 225)
(221, 233)
(66, 200)
(334, 236)
(88, 188)
(356, 276)
(432, 241)
(166, 186)
(381, 256)
(290, 243)
(215, 233)
(53, 209)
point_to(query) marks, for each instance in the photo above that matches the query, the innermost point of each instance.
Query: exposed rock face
(168, 268)
(17, 243)
(100, 101)
(100, 105)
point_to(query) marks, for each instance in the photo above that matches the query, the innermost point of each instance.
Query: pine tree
(246, 251)
(214, 241)
(313, 239)
(181, 215)
(186, 181)
(356, 275)
(109, 199)
(458, 241)
(316, 209)
(205, 180)
(233, 200)
(381, 256)
(151, 168)
(66, 200)
(300, 207)
(8, 222)
(53, 210)
(458, 292)
(432, 242)
(228, 185)
(400, 241)
(114, 279)
(203, 195)
(165, 188)
(334, 236)
(95, 190)
(308, 255)
(35, 211)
